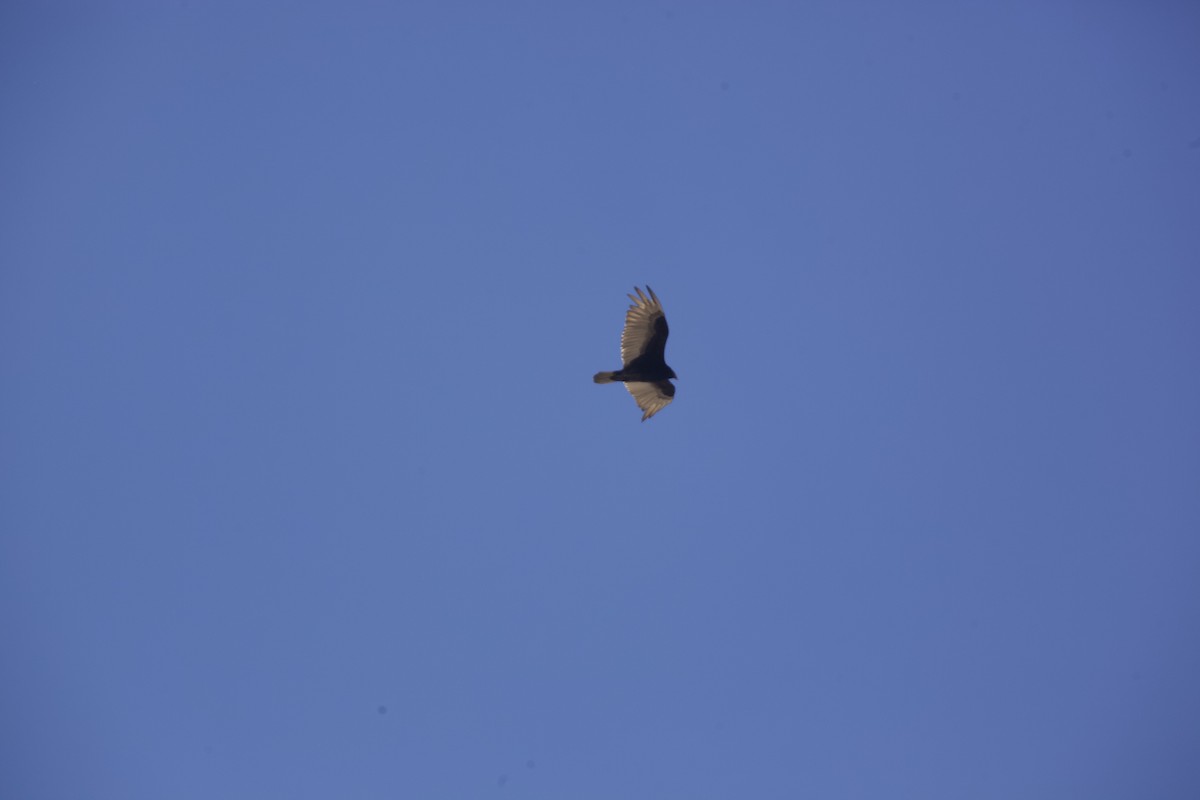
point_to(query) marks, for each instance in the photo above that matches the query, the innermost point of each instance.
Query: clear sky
(307, 491)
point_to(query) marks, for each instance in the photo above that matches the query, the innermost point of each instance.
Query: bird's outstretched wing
(645, 331)
(651, 397)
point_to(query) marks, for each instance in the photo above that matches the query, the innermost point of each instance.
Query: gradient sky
(307, 491)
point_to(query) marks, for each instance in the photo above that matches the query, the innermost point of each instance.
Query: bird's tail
(603, 377)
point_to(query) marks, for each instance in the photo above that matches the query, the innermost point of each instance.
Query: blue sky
(307, 491)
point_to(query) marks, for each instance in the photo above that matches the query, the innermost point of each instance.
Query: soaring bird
(643, 345)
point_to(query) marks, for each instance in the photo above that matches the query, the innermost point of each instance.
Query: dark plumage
(643, 351)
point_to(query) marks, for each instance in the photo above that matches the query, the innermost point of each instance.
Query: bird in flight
(643, 350)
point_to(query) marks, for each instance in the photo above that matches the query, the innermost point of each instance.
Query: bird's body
(643, 350)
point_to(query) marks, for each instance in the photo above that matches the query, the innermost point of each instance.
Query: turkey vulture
(643, 346)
